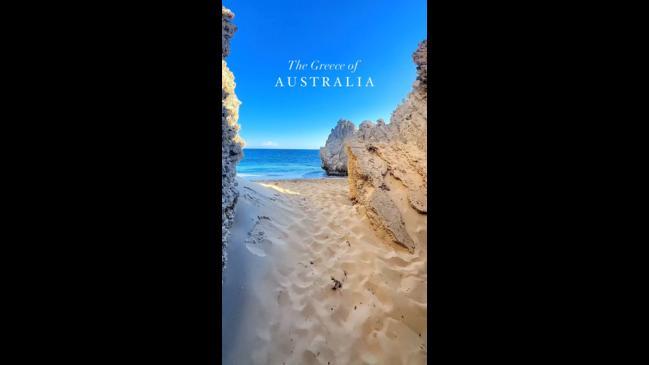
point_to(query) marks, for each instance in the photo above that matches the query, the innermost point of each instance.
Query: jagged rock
(387, 165)
(231, 150)
(370, 132)
(228, 29)
(334, 159)
(420, 58)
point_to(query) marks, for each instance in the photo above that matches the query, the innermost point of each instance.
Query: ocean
(274, 164)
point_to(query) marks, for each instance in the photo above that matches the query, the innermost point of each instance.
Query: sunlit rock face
(231, 151)
(333, 156)
(387, 165)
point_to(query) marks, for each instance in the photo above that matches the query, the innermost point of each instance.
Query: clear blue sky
(382, 33)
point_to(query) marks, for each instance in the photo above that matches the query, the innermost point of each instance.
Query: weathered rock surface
(228, 29)
(333, 156)
(231, 151)
(387, 165)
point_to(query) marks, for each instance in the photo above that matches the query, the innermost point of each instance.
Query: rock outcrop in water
(387, 165)
(333, 156)
(231, 151)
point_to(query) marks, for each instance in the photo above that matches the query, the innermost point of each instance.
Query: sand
(289, 239)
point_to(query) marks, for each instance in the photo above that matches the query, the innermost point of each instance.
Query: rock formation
(231, 151)
(333, 156)
(387, 165)
(228, 30)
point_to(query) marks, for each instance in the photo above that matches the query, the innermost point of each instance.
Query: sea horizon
(280, 163)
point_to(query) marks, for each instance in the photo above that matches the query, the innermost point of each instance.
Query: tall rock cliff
(333, 156)
(231, 151)
(387, 165)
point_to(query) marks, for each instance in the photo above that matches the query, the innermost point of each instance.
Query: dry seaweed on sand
(337, 284)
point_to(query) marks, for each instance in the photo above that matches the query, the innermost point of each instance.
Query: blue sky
(381, 33)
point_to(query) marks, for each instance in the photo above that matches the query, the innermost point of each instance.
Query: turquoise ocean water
(273, 164)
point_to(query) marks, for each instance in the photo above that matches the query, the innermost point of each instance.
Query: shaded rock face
(231, 151)
(387, 166)
(228, 30)
(333, 156)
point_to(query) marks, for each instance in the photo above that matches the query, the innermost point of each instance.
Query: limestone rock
(333, 156)
(228, 29)
(387, 165)
(231, 150)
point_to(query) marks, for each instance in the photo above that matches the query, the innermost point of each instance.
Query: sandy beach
(308, 281)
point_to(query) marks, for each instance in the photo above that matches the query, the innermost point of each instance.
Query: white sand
(289, 238)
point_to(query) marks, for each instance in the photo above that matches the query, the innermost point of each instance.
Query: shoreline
(285, 179)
